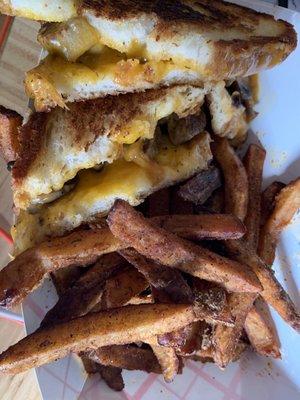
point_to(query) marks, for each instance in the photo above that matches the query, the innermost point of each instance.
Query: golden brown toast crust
(208, 15)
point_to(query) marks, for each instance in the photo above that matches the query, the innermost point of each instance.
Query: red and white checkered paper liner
(253, 377)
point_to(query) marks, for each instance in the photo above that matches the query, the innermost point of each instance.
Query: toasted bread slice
(153, 44)
(42, 10)
(10, 122)
(96, 191)
(57, 81)
(56, 145)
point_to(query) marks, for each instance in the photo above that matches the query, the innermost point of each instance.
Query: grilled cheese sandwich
(55, 146)
(109, 47)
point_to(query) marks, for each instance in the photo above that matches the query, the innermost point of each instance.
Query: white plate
(253, 377)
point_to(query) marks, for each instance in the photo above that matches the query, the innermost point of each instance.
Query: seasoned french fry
(235, 177)
(163, 247)
(166, 357)
(286, 205)
(128, 357)
(82, 247)
(162, 278)
(112, 376)
(254, 164)
(186, 340)
(261, 335)
(65, 277)
(207, 355)
(204, 226)
(85, 293)
(268, 197)
(199, 188)
(123, 325)
(210, 300)
(122, 287)
(273, 293)
(225, 338)
(141, 299)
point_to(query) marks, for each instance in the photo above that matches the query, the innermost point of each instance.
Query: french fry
(286, 205)
(185, 341)
(81, 247)
(112, 376)
(128, 357)
(167, 358)
(65, 277)
(122, 325)
(162, 278)
(261, 335)
(273, 293)
(10, 122)
(199, 188)
(235, 177)
(141, 299)
(215, 203)
(204, 226)
(225, 338)
(254, 164)
(165, 248)
(207, 355)
(268, 197)
(85, 293)
(122, 287)
(211, 300)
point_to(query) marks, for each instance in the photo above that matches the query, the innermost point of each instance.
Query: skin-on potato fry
(10, 122)
(122, 325)
(204, 226)
(273, 293)
(286, 205)
(207, 355)
(164, 247)
(186, 340)
(261, 335)
(112, 376)
(86, 292)
(161, 277)
(235, 177)
(167, 358)
(268, 197)
(254, 164)
(141, 299)
(81, 247)
(65, 277)
(199, 188)
(225, 338)
(211, 299)
(128, 357)
(215, 203)
(122, 287)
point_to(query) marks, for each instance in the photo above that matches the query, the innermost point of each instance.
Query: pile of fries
(188, 275)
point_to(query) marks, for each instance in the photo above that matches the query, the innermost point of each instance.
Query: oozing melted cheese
(97, 190)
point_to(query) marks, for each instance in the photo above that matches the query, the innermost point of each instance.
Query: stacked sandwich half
(127, 99)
